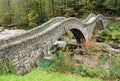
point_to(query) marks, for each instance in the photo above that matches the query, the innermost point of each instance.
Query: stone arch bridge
(26, 49)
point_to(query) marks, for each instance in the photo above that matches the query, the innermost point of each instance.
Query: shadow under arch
(98, 28)
(78, 35)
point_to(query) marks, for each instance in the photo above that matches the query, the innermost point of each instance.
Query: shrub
(111, 32)
(32, 19)
(59, 63)
(84, 71)
(64, 63)
(115, 68)
(1, 67)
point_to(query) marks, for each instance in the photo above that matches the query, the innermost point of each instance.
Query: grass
(39, 75)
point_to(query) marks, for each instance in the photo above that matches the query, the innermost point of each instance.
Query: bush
(63, 63)
(59, 63)
(32, 19)
(1, 67)
(84, 71)
(112, 32)
(115, 68)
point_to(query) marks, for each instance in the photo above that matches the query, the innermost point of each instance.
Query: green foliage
(7, 19)
(113, 71)
(1, 68)
(7, 67)
(112, 32)
(97, 3)
(112, 4)
(0, 20)
(32, 19)
(11, 68)
(86, 72)
(30, 13)
(103, 73)
(115, 68)
(61, 64)
(39, 75)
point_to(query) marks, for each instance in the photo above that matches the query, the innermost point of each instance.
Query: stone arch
(98, 27)
(78, 35)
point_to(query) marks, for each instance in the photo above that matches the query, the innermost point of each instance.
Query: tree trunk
(52, 3)
(66, 4)
(116, 3)
(86, 2)
(9, 11)
(38, 11)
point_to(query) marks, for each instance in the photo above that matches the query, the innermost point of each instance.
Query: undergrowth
(65, 63)
(112, 32)
(7, 67)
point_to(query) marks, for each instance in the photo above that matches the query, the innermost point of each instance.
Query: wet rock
(1, 29)
(57, 46)
(114, 44)
(117, 19)
(115, 50)
(60, 43)
(118, 41)
(48, 57)
(99, 39)
(80, 51)
(72, 44)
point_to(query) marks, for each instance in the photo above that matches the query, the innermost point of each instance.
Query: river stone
(72, 44)
(118, 19)
(1, 29)
(60, 43)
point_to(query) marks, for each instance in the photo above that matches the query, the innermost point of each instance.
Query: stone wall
(26, 49)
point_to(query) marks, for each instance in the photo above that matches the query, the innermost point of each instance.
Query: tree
(7, 12)
(113, 5)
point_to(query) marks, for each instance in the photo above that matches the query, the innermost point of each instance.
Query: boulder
(1, 29)
(117, 19)
(60, 44)
(72, 44)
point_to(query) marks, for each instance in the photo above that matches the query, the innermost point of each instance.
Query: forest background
(26, 14)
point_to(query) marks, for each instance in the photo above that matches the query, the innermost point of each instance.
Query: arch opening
(78, 35)
(75, 39)
(98, 28)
